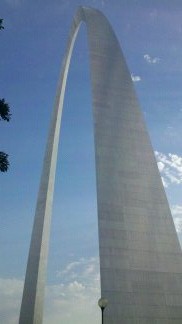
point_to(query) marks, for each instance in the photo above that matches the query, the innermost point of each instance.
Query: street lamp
(102, 304)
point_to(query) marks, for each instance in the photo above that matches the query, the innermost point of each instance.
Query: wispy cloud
(103, 2)
(82, 269)
(177, 216)
(72, 300)
(151, 60)
(170, 167)
(135, 78)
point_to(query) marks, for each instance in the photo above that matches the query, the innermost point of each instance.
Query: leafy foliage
(4, 115)
(4, 164)
(1, 26)
(4, 110)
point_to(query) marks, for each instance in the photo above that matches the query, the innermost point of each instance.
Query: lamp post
(102, 304)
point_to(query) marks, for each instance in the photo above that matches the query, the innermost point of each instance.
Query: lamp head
(102, 303)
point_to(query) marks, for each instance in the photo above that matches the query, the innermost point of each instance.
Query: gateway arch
(140, 256)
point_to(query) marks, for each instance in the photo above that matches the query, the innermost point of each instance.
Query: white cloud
(135, 78)
(177, 216)
(75, 299)
(164, 182)
(170, 167)
(176, 210)
(69, 301)
(151, 60)
(160, 166)
(10, 296)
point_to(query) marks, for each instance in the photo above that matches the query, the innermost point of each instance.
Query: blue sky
(32, 48)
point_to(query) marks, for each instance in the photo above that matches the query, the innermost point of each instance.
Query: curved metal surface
(139, 249)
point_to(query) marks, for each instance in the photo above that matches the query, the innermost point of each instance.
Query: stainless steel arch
(137, 262)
